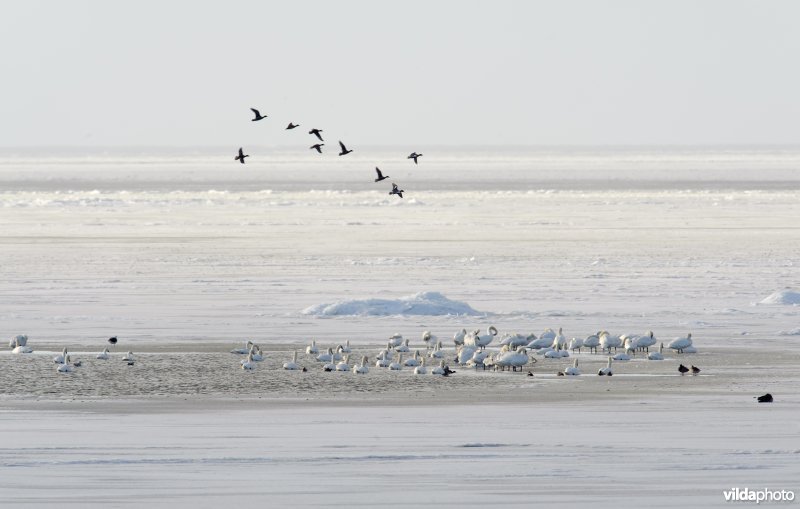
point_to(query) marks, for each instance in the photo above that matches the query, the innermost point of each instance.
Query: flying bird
(241, 156)
(292, 126)
(414, 156)
(395, 190)
(317, 147)
(316, 132)
(381, 176)
(258, 116)
(766, 398)
(113, 340)
(344, 151)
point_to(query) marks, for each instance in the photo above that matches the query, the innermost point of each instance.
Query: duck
(695, 369)
(316, 132)
(104, 355)
(396, 190)
(241, 156)
(291, 126)
(683, 369)
(766, 398)
(312, 348)
(573, 370)
(113, 340)
(317, 147)
(681, 344)
(257, 115)
(657, 356)
(292, 364)
(414, 156)
(606, 371)
(248, 363)
(66, 366)
(345, 150)
(381, 176)
(362, 369)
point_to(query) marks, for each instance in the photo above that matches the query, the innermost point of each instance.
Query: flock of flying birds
(257, 116)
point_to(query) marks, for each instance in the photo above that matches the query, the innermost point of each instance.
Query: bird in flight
(344, 151)
(113, 340)
(292, 126)
(381, 176)
(414, 156)
(395, 190)
(258, 116)
(316, 132)
(241, 156)
(317, 147)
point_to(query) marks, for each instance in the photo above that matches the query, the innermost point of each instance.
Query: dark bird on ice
(695, 369)
(766, 398)
(344, 151)
(381, 176)
(113, 340)
(414, 156)
(292, 126)
(258, 116)
(683, 369)
(316, 132)
(241, 156)
(317, 147)
(395, 190)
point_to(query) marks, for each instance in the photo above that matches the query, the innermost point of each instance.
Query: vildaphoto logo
(758, 496)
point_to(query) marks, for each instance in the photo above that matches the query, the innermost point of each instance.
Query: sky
(418, 73)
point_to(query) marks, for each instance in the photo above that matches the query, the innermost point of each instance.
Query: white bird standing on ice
(592, 342)
(681, 344)
(607, 342)
(429, 339)
(292, 364)
(103, 356)
(645, 342)
(575, 344)
(560, 341)
(458, 337)
(606, 371)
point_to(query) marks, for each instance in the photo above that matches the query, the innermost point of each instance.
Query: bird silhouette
(683, 369)
(113, 340)
(695, 369)
(317, 147)
(316, 132)
(766, 398)
(344, 151)
(395, 190)
(241, 156)
(258, 116)
(381, 176)
(414, 156)
(292, 126)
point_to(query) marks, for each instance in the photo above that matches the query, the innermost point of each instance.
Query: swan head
(493, 330)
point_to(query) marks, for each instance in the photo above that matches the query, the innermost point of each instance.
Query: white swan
(386, 353)
(481, 340)
(429, 339)
(128, 357)
(249, 363)
(606, 371)
(607, 342)
(326, 357)
(478, 359)
(292, 364)
(631, 344)
(439, 370)
(516, 340)
(645, 342)
(343, 364)
(560, 341)
(397, 366)
(383, 363)
(575, 344)
(421, 369)
(573, 370)
(458, 337)
(66, 366)
(103, 356)
(541, 342)
(19, 344)
(513, 359)
(361, 369)
(330, 365)
(59, 359)
(256, 352)
(413, 361)
(396, 339)
(402, 348)
(548, 334)
(345, 348)
(465, 353)
(437, 352)
(622, 356)
(657, 356)
(592, 342)
(312, 348)
(245, 350)
(681, 344)
(556, 354)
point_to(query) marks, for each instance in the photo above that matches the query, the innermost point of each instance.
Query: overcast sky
(404, 72)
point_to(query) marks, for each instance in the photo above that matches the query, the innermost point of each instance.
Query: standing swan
(606, 371)
(681, 344)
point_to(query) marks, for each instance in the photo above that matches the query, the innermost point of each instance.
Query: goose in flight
(395, 190)
(766, 398)
(241, 156)
(317, 147)
(113, 340)
(414, 156)
(344, 151)
(292, 126)
(381, 176)
(316, 132)
(258, 116)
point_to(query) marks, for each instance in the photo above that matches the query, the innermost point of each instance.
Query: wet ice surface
(184, 259)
